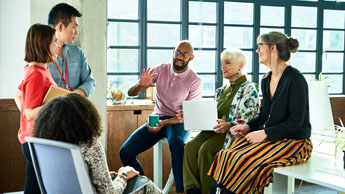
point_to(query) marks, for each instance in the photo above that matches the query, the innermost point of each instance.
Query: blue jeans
(31, 184)
(142, 139)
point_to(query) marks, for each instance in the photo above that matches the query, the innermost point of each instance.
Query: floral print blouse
(97, 166)
(244, 106)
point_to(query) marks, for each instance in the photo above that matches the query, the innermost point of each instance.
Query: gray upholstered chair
(59, 167)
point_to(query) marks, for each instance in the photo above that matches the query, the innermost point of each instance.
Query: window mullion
(219, 43)
(288, 19)
(319, 41)
(184, 19)
(142, 63)
(255, 57)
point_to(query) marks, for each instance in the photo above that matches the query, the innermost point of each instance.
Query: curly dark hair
(72, 118)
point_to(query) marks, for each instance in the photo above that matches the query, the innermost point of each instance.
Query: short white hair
(235, 54)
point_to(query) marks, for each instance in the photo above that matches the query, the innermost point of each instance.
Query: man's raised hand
(146, 77)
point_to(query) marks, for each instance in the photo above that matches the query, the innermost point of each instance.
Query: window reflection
(163, 34)
(233, 10)
(333, 40)
(167, 11)
(121, 33)
(240, 37)
(272, 16)
(122, 60)
(202, 36)
(202, 12)
(304, 16)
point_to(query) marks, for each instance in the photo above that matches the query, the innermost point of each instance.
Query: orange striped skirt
(247, 168)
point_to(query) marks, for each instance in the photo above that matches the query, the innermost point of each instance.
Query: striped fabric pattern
(246, 168)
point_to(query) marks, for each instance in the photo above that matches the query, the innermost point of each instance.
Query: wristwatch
(124, 176)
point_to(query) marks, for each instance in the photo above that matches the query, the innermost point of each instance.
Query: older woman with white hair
(279, 136)
(238, 102)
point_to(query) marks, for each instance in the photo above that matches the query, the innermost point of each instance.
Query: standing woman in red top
(41, 47)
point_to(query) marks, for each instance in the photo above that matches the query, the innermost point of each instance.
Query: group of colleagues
(238, 156)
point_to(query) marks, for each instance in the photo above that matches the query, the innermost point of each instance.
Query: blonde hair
(235, 54)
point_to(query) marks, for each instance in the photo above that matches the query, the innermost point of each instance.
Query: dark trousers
(214, 187)
(142, 139)
(31, 184)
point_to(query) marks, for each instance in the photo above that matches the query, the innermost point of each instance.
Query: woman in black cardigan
(279, 136)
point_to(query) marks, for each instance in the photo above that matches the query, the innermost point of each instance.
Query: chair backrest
(59, 167)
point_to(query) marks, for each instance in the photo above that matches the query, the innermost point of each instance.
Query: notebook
(200, 114)
(53, 92)
(135, 184)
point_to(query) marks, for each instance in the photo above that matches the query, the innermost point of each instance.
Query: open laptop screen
(199, 114)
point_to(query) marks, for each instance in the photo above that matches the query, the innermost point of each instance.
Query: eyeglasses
(185, 55)
(261, 45)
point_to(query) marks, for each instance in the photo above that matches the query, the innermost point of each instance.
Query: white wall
(14, 23)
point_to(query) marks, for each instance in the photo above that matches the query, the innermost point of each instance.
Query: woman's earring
(238, 74)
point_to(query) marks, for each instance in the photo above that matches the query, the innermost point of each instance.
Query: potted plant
(115, 95)
(339, 138)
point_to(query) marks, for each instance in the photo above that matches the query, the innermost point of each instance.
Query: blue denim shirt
(78, 70)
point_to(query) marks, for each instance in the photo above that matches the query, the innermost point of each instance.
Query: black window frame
(219, 46)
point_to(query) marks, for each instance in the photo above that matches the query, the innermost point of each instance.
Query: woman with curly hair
(280, 135)
(74, 119)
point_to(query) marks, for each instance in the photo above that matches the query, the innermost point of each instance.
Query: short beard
(180, 68)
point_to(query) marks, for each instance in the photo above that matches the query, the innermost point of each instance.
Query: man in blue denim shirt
(70, 69)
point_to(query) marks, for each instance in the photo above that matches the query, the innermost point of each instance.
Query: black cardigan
(287, 114)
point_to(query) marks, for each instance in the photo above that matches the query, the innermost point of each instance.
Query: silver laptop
(200, 114)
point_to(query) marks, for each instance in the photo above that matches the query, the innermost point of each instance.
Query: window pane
(163, 34)
(250, 77)
(332, 62)
(309, 77)
(204, 61)
(123, 34)
(167, 11)
(304, 16)
(239, 37)
(249, 59)
(263, 68)
(123, 82)
(120, 9)
(260, 80)
(157, 57)
(232, 11)
(202, 36)
(333, 40)
(267, 30)
(306, 38)
(208, 82)
(272, 16)
(202, 12)
(122, 60)
(330, 16)
(305, 62)
(335, 83)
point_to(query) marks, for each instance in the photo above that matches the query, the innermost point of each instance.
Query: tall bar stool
(158, 166)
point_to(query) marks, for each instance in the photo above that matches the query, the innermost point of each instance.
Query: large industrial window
(142, 34)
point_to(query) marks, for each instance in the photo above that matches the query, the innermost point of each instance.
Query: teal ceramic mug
(153, 120)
